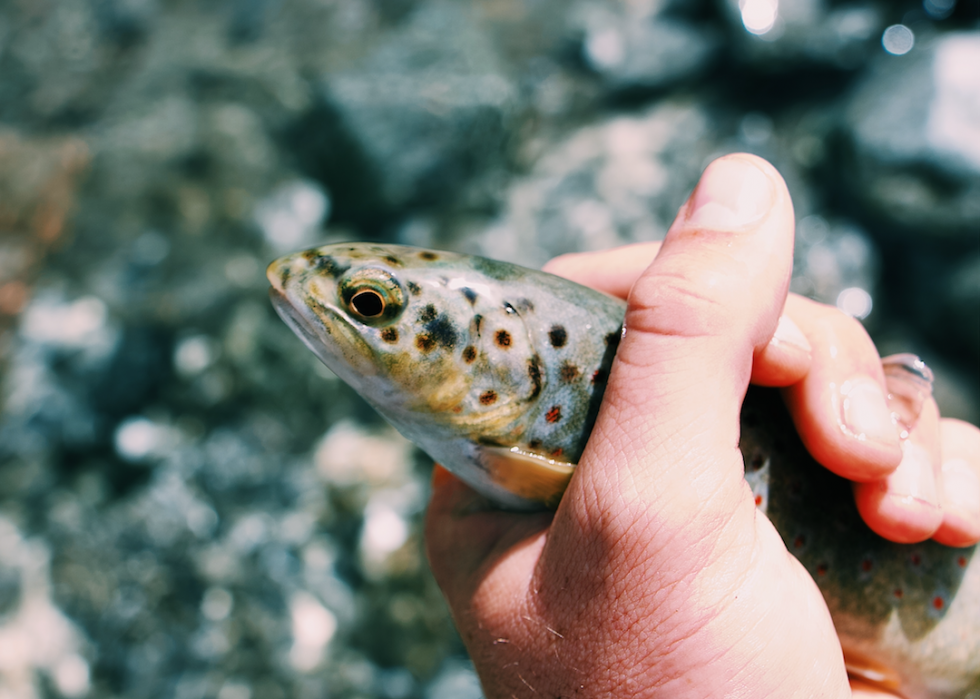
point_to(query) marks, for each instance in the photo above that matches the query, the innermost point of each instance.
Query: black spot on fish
(414, 288)
(469, 354)
(612, 339)
(569, 372)
(534, 373)
(488, 397)
(330, 266)
(599, 376)
(554, 414)
(442, 331)
(534, 444)
(425, 342)
(558, 336)
(525, 305)
(469, 294)
(477, 322)
(509, 308)
(389, 335)
(428, 314)
(392, 260)
(427, 255)
(503, 339)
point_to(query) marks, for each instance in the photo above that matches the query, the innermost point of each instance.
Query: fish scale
(497, 372)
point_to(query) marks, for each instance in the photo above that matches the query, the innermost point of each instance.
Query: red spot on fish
(961, 561)
(798, 542)
(503, 338)
(469, 354)
(599, 376)
(822, 569)
(488, 397)
(938, 603)
(389, 335)
(758, 500)
(898, 593)
(867, 565)
(556, 453)
(458, 409)
(553, 415)
(916, 559)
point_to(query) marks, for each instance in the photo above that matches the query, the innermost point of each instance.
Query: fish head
(403, 327)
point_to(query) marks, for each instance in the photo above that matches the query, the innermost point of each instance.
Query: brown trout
(497, 372)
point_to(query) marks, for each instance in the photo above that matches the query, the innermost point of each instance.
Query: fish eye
(368, 303)
(372, 296)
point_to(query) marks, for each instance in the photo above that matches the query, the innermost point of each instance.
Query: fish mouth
(331, 338)
(299, 324)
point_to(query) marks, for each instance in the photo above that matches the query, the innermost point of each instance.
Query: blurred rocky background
(190, 505)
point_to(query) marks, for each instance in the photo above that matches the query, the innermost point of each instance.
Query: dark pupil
(368, 303)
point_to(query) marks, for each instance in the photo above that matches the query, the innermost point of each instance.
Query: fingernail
(789, 333)
(961, 485)
(909, 383)
(914, 477)
(866, 414)
(732, 194)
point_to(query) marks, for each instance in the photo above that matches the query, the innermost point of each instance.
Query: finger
(840, 407)
(782, 362)
(611, 271)
(904, 505)
(960, 493)
(785, 359)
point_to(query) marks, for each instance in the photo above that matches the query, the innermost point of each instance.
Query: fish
(497, 372)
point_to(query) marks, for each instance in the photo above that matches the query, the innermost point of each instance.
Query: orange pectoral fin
(528, 475)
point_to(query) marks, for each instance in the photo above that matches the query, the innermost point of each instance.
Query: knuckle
(684, 305)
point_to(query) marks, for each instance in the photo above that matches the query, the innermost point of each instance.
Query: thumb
(696, 316)
(657, 543)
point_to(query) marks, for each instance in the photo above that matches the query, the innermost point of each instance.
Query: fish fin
(867, 672)
(528, 475)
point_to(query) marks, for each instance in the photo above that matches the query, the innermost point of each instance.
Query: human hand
(656, 574)
(908, 488)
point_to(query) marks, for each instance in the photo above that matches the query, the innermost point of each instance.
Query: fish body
(497, 372)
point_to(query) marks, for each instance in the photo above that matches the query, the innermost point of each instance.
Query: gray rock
(425, 111)
(637, 47)
(777, 35)
(618, 181)
(836, 263)
(915, 130)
